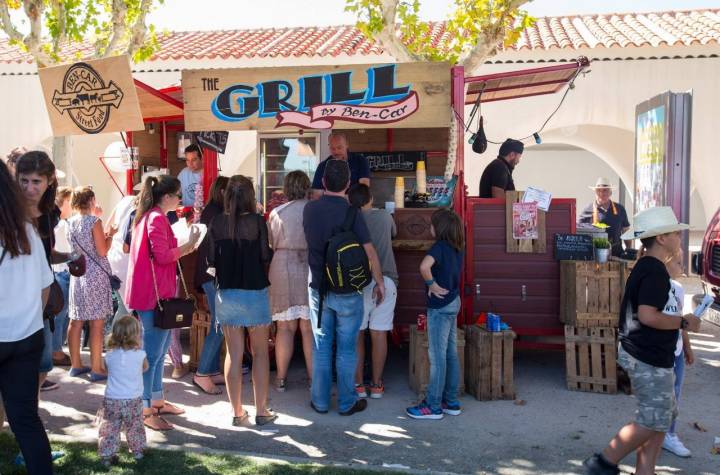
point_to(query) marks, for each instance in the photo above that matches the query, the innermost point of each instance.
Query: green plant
(601, 243)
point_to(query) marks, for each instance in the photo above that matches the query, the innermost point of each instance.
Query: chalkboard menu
(392, 161)
(573, 247)
(213, 140)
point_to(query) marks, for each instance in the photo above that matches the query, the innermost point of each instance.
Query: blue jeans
(61, 319)
(156, 342)
(442, 349)
(341, 319)
(210, 357)
(679, 377)
(46, 362)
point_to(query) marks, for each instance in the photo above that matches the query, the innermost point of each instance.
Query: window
(281, 154)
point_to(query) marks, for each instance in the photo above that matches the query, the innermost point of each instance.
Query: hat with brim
(654, 222)
(155, 173)
(602, 183)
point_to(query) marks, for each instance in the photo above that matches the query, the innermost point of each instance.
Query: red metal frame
(159, 94)
(130, 174)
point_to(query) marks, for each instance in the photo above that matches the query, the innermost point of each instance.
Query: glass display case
(281, 154)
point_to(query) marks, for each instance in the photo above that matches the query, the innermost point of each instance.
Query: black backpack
(346, 268)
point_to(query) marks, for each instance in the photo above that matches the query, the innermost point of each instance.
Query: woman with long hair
(90, 294)
(154, 253)
(35, 173)
(208, 375)
(25, 278)
(240, 253)
(289, 275)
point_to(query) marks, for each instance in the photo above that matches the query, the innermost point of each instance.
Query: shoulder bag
(115, 281)
(174, 312)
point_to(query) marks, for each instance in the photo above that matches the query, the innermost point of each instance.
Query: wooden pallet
(198, 332)
(489, 363)
(590, 358)
(591, 293)
(419, 370)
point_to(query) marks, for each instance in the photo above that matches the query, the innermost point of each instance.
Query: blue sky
(231, 14)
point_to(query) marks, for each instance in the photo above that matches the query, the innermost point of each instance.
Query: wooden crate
(591, 293)
(198, 332)
(419, 370)
(489, 363)
(590, 359)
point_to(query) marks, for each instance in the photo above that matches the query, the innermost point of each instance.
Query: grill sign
(86, 99)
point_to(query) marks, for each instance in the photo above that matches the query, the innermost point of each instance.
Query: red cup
(421, 322)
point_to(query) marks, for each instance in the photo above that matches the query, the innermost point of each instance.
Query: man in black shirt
(605, 211)
(648, 338)
(497, 176)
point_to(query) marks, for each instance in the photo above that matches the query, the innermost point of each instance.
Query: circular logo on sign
(86, 99)
(416, 225)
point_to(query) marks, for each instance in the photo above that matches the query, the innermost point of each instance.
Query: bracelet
(429, 282)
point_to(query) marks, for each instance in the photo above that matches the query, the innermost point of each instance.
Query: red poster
(525, 220)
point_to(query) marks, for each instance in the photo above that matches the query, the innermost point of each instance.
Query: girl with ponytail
(152, 235)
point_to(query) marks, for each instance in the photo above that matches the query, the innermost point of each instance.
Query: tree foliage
(112, 27)
(476, 28)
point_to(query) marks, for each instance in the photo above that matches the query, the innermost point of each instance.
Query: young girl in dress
(441, 271)
(122, 407)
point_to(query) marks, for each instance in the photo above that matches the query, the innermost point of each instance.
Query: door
(281, 154)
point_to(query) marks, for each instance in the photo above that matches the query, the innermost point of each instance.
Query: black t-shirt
(446, 272)
(614, 216)
(320, 219)
(648, 284)
(498, 173)
(46, 229)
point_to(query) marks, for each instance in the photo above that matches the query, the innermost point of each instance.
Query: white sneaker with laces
(673, 445)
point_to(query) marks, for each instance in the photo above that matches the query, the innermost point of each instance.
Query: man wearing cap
(497, 176)
(605, 211)
(648, 339)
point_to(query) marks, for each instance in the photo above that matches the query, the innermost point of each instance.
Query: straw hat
(654, 222)
(602, 182)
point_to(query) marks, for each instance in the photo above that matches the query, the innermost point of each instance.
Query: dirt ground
(552, 433)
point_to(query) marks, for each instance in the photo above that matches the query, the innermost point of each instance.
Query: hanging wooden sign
(318, 97)
(91, 97)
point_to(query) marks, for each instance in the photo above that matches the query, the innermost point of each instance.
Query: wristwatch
(684, 323)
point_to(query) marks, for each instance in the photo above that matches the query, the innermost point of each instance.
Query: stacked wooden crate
(590, 298)
(419, 370)
(489, 363)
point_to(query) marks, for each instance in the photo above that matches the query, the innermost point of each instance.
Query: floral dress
(90, 295)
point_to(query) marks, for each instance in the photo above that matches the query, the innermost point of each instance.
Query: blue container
(493, 322)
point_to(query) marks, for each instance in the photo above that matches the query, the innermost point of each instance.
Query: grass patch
(82, 459)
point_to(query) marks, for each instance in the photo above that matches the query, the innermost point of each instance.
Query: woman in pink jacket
(152, 232)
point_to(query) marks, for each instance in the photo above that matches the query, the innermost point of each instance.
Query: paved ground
(551, 433)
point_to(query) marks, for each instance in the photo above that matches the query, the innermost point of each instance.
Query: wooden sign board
(213, 140)
(574, 247)
(408, 95)
(91, 97)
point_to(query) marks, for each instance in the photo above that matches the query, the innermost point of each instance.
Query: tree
(115, 26)
(476, 29)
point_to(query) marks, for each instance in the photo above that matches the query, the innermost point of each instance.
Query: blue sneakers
(451, 409)
(423, 411)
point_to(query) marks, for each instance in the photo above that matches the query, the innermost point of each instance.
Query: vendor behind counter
(605, 211)
(497, 176)
(339, 150)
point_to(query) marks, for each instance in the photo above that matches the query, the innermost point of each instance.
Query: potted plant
(602, 249)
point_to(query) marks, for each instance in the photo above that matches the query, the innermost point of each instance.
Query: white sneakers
(673, 445)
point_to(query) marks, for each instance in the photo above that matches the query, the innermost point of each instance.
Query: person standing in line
(91, 294)
(208, 375)
(289, 276)
(648, 339)
(441, 271)
(379, 318)
(118, 253)
(62, 276)
(240, 253)
(122, 407)
(153, 265)
(25, 278)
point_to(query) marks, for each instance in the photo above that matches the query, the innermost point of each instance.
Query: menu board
(574, 247)
(392, 161)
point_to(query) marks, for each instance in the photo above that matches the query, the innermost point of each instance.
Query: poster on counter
(525, 220)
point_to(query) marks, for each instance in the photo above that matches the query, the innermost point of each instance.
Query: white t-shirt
(674, 307)
(22, 280)
(189, 181)
(61, 243)
(125, 373)
(116, 256)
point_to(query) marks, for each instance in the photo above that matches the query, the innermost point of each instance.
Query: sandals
(240, 420)
(156, 422)
(264, 420)
(281, 385)
(215, 391)
(169, 409)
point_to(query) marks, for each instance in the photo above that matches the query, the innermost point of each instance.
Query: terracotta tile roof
(568, 32)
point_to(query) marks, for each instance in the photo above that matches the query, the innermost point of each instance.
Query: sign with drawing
(317, 97)
(91, 97)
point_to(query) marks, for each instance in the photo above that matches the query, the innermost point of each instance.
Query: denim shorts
(242, 308)
(654, 389)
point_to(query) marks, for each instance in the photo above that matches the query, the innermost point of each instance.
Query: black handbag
(174, 312)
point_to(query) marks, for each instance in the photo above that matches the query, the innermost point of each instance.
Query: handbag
(77, 267)
(176, 312)
(115, 281)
